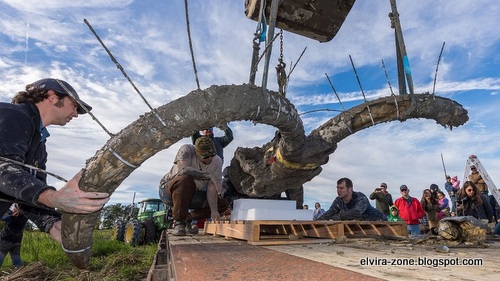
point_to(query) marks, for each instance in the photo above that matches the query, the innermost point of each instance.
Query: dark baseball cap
(62, 87)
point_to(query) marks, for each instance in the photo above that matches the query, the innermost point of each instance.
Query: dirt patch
(406, 259)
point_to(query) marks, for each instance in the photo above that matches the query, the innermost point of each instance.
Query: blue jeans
(164, 197)
(413, 228)
(453, 200)
(496, 230)
(14, 250)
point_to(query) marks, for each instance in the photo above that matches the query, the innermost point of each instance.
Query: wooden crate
(298, 232)
(374, 228)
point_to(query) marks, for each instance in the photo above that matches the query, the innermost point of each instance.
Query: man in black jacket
(23, 155)
(351, 205)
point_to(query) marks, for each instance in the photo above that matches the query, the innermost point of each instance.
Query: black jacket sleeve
(17, 136)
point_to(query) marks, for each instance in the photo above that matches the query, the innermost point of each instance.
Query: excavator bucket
(316, 19)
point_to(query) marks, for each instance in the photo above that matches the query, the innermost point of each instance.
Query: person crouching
(194, 179)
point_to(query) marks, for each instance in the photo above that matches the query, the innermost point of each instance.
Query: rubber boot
(179, 228)
(192, 228)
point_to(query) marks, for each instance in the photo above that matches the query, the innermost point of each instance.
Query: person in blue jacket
(351, 205)
(23, 155)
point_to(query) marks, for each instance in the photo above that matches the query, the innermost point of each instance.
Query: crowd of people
(194, 184)
(421, 216)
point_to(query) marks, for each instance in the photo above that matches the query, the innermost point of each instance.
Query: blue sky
(149, 39)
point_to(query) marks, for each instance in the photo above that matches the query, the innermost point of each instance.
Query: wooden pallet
(299, 232)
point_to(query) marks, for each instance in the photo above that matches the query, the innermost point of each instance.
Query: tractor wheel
(150, 231)
(119, 231)
(133, 233)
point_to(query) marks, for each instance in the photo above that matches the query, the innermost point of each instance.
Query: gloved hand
(224, 126)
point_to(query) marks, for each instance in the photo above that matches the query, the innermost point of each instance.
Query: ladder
(473, 160)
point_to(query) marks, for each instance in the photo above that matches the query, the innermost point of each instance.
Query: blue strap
(262, 37)
(406, 64)
(262, 26)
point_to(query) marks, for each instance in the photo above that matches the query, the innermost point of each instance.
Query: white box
(245, 203)
(271, 214)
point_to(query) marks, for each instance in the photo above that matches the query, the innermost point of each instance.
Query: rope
(75, 251)
(387, 77)
(390, 87)
(33, 168)
(437, 65)
(84, 107)
(337, 95)
(118, 65)
(364, 97)
(121, 158)
(318, 110)
(341, 104)
(291, 69)
(191, 44)
(397, 106)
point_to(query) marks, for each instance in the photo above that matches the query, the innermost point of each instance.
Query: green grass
(111, 260)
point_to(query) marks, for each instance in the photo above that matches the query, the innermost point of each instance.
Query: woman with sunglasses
(470, 202)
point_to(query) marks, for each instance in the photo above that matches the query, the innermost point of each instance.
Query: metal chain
(281, 45)
(281, 69)
(255, 57)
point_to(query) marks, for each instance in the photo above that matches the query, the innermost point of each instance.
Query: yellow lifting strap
(291, 165)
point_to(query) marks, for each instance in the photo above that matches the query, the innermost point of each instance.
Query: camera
(378, 189)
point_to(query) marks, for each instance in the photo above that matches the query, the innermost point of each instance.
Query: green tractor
(152, 219)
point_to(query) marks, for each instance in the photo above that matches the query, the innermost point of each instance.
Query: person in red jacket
(410, 210)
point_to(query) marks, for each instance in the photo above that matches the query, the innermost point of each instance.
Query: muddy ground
(390, 260)
(387, 258)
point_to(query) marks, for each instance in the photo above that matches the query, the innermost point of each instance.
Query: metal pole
(400, 43)
(401, 69)
(270, 34)
(444, 167)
